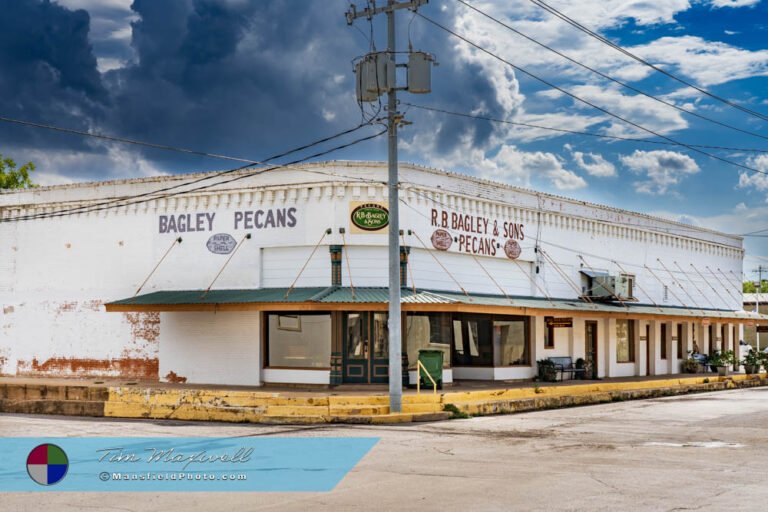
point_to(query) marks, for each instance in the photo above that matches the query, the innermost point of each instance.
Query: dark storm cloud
(247, 78)
(47, 70)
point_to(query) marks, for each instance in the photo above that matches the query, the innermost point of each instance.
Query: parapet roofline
(382, 165)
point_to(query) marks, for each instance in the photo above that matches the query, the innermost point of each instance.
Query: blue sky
(252, 78)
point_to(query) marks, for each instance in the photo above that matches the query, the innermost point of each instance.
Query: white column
(537, 340)
(609, 346)
(577, 339)
(671, 348)
(639, 347)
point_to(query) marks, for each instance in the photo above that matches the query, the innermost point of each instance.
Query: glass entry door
(366, 348)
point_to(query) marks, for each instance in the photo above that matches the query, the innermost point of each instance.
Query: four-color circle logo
(47, 464)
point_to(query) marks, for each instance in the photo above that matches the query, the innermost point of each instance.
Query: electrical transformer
(372, 76)
(420, 72)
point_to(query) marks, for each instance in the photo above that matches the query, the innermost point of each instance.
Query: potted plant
(690, 365)
(547, 371)
(721, 361)
(581, 364)
(752, 362)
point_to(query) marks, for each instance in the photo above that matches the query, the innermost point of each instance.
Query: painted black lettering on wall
(243, 219)
(266, 219)
(186, 222)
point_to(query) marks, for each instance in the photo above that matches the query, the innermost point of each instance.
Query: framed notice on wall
(289, 323)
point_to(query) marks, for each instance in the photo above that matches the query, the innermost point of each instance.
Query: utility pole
(760, 270)
(393, 119)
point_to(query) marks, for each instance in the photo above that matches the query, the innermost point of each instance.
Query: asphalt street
(695, 452)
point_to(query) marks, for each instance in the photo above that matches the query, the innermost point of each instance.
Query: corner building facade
(280, 277)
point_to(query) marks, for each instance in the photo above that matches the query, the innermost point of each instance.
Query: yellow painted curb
(255, 406)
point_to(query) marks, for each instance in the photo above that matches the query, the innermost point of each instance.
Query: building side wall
(210, 348)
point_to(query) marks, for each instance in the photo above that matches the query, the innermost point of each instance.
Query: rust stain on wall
(144, 326)
(137, 368)
(176, 379)
(7, 310)
(92, 305)
(67, 306)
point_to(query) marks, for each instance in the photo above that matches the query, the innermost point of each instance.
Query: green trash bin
(433, 362)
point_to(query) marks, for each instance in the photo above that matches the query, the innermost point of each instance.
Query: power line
(555, 12)
(123, 140)
(204, 178)
(586, 102)
(127, 200)
(608, 77)
(576, 132)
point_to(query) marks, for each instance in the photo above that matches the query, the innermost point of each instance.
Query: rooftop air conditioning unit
(612, 287)
(603, 287)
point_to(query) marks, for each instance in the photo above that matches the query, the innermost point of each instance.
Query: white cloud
(638, 109)
(57, 167)
(509, 162)
(733, 3)
(594, 164)
(751, 179)
(708, 62)
(664, 169)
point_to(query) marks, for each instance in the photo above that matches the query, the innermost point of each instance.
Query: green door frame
(365, 365)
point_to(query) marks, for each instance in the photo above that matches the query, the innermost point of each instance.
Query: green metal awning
(412, 300)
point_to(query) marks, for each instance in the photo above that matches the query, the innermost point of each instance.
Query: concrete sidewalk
(343, 404)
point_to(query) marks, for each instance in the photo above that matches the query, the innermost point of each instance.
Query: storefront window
(472, 341)
(511, 338)
(625, 341)
(299, 341)
(428, 331)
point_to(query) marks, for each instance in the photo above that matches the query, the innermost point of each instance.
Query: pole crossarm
(369, 12)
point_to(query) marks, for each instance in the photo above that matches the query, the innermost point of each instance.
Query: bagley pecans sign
(475, 234)
(368, 218)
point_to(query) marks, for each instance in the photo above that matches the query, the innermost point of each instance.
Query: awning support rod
(567, 279)
(492, 279)
(670, 290)
(314, 250)
(246, 237)
(175, 241)
(677, 282)
(639, 287)
(725, 287)
(595, 271)
(438, 262)
(710, 285)
(736, 287)
(695, 286)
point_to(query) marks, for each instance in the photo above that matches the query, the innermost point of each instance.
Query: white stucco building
(496, 277)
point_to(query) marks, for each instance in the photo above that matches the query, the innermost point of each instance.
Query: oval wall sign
(441, 240)
(221, 243)
(370, 217)
(512, 249)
